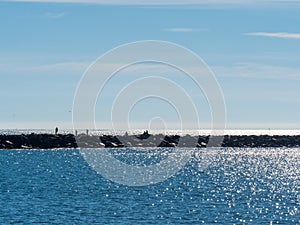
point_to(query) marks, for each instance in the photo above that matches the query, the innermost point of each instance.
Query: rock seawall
(50, 141)
(37, 141)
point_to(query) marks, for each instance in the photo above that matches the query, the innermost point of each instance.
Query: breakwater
(50, 141)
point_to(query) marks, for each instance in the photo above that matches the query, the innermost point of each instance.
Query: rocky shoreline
(51, 141)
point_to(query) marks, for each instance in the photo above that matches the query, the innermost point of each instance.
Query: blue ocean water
(218, 186)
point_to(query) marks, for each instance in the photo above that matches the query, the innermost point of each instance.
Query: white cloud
(81, 67)
(127, 2)
(252, 70)
(276, 35)
(183, 30)
(54, 15)
(164, 2)
(247, 70)
(65, 67)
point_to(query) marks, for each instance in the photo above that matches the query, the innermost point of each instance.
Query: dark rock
(49, 141)
(111, 141)
(145, 135)
(170, 141)
(37, 141)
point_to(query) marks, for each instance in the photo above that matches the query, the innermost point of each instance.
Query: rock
(49, 141)
(170, 141)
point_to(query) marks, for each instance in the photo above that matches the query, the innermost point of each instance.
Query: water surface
(220, 186)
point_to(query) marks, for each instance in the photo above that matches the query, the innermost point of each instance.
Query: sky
(252, 47)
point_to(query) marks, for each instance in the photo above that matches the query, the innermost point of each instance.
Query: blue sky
(253, 48)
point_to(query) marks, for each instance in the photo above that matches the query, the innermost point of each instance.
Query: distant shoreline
(52, 141)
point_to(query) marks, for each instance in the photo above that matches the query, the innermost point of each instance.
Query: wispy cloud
(258, 71)
(276, 35)
(181, 29)
(164, 2)
(54, 15)
(63, 67)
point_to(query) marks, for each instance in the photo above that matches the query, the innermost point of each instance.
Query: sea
(215, 186)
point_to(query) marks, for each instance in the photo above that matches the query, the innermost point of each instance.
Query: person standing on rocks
(56, 130)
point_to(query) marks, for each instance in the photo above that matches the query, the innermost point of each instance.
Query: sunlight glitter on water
(169, 132)
(217, 186)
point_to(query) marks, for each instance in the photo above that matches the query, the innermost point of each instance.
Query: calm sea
(217, 186)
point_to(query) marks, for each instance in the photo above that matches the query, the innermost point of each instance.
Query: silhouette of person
(56, 130)
(145, 135)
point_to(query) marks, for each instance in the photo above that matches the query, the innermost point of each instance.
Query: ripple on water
(221, 186)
